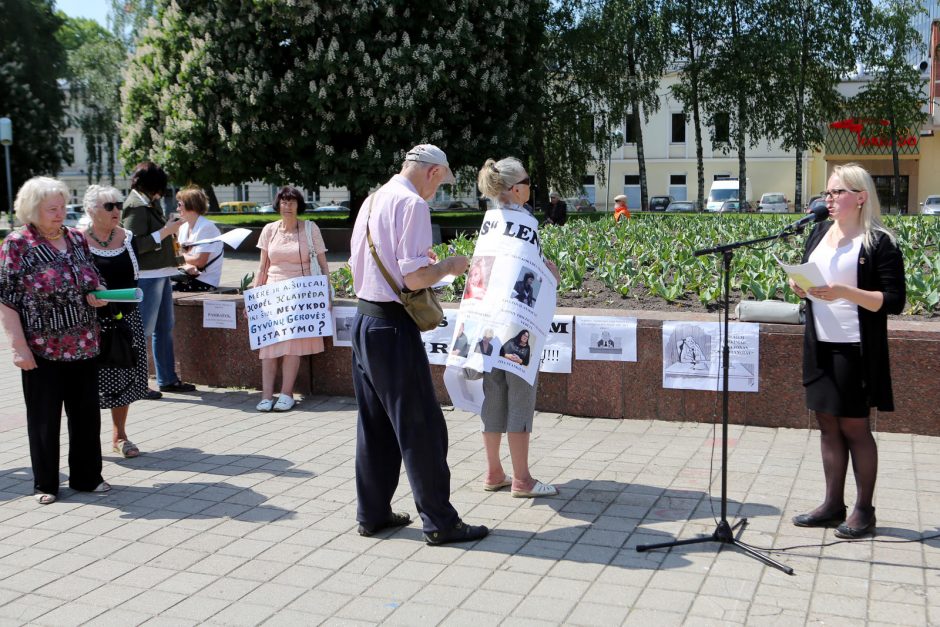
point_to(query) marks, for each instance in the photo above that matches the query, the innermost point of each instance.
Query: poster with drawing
(556, 354)
(506, 312)
(343, 318)
(692, 356)
(605, 338)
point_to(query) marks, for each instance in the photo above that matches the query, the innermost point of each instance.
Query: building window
(678, 128)
(631, 189)
(632, 128)
(722, 132)
(677, 187)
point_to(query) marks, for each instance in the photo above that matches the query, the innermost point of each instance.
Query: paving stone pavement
(231, 517)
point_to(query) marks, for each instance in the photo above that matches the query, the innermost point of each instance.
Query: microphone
(817, 214)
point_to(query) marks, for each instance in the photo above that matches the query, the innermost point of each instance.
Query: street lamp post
(6, 138)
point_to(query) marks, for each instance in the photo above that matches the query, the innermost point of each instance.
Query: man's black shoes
(461, 532)
(397, 519)
(179, 386)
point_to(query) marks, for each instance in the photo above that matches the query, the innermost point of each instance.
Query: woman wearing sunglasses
(845, 348)
(114, 251)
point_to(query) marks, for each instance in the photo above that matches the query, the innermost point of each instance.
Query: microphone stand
(724, 532)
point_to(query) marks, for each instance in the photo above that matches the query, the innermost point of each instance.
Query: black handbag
(117, 342)
(185, 282)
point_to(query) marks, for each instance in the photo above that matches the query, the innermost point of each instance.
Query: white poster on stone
(556, 354)
(219, 314)
(692, 356)
(437, 341)
(343, 318)
(509, 299)
(288, 310)
(465, 393)
(605, 338)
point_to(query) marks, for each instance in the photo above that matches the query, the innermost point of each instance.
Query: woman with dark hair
(289, 249)
(508, 399)
(845, 349)
(143, 216)
(523, 291)
(205, 260)
(47, 310)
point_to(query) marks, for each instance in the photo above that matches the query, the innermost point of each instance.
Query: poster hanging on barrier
(437, 341)
(288, 310)
(556, 354)
(343, 318)
(605, 338)
(692, 356)
(509, 299)
(219, 314)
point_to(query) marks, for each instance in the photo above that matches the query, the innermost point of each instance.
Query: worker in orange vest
(620, 208)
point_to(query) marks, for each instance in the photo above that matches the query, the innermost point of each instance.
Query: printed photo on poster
(605, 338)
(527, 286)
(478, 276)
(692, 356)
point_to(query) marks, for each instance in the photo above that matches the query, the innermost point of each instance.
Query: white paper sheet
(605, 338)
(233, 238)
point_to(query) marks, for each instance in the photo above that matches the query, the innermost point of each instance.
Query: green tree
(128, 18)
(809, 58)
(694, 30)
(95, 58)
(324, 93)
(31, 62)
(896, 92)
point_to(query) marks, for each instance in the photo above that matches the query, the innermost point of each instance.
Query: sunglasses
(111, 206)
(524, 181)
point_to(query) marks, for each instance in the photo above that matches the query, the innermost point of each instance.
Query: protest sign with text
(288, 310)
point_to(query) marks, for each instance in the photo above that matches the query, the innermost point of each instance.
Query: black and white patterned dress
(118, 387)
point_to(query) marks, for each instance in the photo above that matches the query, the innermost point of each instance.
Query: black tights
(840, 437)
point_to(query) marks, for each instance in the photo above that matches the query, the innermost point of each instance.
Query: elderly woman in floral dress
(47, 310)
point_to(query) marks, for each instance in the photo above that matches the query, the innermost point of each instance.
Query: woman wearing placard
(845, 349)
(509, 401)
(289, 249)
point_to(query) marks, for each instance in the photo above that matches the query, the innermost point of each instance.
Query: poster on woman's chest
(509, 299)
(288, 310)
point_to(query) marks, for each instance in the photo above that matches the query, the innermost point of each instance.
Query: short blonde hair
(194, 199)
(496, 177)
(34, 192)
(94, 193)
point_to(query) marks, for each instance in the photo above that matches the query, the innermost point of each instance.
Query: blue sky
(92, 9)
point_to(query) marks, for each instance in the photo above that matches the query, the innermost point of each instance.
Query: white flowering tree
(319, 93)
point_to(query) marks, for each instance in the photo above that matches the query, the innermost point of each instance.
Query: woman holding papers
(509, 401)
(203, 260)
(289, 249)
(845, 349)
(114, 251)
(48, 313)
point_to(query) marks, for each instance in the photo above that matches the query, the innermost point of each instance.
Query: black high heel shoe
(854, 533)
(820, 520)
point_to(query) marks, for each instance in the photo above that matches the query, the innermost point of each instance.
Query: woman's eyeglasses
(835, 193)
(111, 206)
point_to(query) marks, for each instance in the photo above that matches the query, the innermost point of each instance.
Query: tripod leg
(640, 548)
(763, 558)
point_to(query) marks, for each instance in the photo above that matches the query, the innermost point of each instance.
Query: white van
(722, 190)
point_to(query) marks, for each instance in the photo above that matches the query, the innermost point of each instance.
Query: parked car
(327, 209)
(730, 206)
(238, 206)
(266, 209)
(72, 219)
(809, 203)
(681, 206)
(452, 205)
(930, 206)
(772, 202)
(659, 203)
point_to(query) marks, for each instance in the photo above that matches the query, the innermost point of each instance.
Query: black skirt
(841, 390)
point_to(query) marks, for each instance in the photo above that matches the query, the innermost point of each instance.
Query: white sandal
(45, 499)
(539, 489)
(265, 405)
(102, 487)
(284, 403)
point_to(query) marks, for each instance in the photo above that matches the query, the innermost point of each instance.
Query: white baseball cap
(429, 153)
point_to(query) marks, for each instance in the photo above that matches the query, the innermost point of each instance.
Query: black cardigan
(879, 269)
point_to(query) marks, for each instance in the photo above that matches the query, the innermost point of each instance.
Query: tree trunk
(356, 198)
(539, 180)
(896, 163)
(640, 157)
(213, 199)
(697, 122)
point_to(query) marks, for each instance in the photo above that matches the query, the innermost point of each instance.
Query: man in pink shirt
(400, 418)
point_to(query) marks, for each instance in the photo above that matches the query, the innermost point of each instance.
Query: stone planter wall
(629, 390)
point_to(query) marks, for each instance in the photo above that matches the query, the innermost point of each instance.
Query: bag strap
(311, 249)
(210, 262)
(375, 253)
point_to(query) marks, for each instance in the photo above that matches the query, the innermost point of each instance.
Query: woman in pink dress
(285, 254)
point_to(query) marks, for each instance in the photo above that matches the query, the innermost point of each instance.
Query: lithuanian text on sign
(288, 310)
